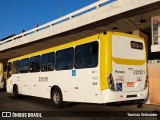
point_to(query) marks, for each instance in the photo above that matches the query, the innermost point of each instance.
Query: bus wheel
(57, 98)
(140, 103)
(15, 91)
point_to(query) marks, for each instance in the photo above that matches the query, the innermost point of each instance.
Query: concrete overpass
(119, 15)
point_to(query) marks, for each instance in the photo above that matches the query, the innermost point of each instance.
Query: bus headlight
(111, 82)
(146, 83)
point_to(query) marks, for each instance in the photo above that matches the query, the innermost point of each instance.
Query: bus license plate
(130, 84)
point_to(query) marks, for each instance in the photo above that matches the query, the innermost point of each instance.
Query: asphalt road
(27, 104)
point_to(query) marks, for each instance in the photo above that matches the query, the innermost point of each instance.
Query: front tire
(57, 98)
(15, 91)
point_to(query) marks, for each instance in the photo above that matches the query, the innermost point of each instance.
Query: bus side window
(44, 61)
(34, 65)
(16, 67)
(24, 65)
(9, 70)
(60, 57)
(69, 53)
(51, 61)
(64, 59)
(86, 56)
(47, 62)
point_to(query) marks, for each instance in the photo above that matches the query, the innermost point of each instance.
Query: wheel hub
(56, 97)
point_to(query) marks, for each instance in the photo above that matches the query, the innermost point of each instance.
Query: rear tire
(57, 98)
(140, 104)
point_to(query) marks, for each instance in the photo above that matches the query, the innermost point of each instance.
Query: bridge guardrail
(77, 13)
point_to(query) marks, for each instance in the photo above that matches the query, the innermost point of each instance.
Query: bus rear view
(127, 78)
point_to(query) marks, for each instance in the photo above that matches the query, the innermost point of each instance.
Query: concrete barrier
(154, 82)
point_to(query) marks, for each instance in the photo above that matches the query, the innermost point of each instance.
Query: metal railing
(72, 15)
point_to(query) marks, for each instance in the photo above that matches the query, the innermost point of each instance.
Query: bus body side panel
(32, 84)
(83, 87)
(10, 82)
(77, 85)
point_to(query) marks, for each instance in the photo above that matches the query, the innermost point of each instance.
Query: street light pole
(60, 9)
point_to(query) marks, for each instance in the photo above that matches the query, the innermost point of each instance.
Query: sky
(16, 15)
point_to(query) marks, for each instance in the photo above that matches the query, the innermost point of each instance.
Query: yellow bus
(103, 68)
(1, 76)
